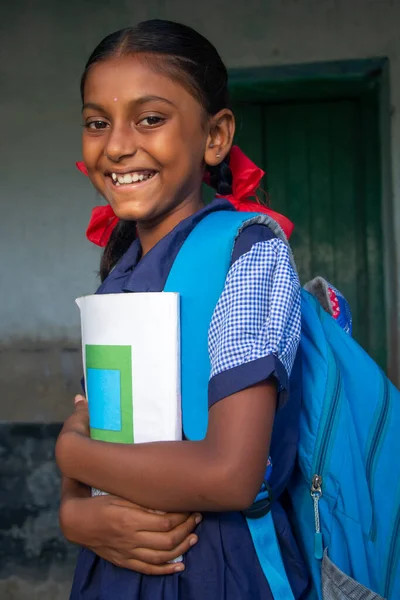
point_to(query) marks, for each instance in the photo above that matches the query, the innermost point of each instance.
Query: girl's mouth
(135, 177)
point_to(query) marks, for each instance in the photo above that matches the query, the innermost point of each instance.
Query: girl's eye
(151, 121)
(96, 125)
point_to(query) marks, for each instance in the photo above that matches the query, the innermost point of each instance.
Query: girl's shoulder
(249, 236)
(256, 323)
(259, 243)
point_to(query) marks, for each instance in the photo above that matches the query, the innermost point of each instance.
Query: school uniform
(253, 335)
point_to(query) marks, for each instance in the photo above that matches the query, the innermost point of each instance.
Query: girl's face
(145, 140)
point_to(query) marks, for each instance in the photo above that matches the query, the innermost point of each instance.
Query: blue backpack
(345, 489)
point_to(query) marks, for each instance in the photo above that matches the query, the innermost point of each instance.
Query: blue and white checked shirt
(255, 330)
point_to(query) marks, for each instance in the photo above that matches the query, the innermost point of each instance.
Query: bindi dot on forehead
(115, 99)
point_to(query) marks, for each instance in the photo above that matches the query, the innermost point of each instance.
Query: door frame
(365, 78)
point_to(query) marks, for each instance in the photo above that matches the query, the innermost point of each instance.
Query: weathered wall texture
(39, 380)
(45, 206)
(35, 561)
(46, 203)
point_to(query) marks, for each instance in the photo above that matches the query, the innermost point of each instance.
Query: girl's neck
(150, 233)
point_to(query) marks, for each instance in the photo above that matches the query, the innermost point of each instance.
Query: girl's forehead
(129, 78)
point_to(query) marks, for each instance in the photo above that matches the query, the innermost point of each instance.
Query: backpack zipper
(317, 479)
(316, 493)
(393, 552)
(373, 449)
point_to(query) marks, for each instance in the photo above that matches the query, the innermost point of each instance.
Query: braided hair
(196, 63)
(221, 177)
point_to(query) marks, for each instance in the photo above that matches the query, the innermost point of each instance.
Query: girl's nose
(121, 143)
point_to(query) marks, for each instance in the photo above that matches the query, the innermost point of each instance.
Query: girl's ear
(220, 137)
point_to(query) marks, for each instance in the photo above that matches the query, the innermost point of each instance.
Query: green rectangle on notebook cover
(119, 359)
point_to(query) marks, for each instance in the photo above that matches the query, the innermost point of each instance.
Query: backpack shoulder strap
(198, 275)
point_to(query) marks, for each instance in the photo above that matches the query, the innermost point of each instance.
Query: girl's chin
(132, 210)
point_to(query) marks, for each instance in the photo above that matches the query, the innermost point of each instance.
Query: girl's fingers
(135, 564)
(146, 569)
(144, 521)
(161, 557)
(79, 398)
(167, 541)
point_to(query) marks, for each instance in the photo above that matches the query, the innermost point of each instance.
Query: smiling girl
(157, 121)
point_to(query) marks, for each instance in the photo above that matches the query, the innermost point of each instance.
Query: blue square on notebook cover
(104, 393)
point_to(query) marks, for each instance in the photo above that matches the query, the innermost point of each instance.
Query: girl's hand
(125, 534)
(78, 422)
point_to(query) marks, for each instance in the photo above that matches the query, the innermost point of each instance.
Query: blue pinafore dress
(254, 333)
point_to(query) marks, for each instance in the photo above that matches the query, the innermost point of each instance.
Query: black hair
(189, 58)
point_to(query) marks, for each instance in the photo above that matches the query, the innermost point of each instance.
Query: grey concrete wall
(45, 203)
(36, 563)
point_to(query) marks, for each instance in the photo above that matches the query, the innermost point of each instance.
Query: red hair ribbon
(246, 177)
(82, 167)
(102, 221)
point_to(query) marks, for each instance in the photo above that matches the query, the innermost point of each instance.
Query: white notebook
(131, 359)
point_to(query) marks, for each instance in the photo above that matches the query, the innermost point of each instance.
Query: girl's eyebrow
(139, 101)
(93, 106)
(146, 99)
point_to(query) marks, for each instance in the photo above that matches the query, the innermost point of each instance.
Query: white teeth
(129, 178)
(118, 183)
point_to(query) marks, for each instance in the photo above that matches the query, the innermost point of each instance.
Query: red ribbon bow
(102, 221)
(246, 177)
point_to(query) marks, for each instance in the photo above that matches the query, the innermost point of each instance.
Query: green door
(322, 171)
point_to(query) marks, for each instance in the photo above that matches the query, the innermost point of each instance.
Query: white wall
(45, 203)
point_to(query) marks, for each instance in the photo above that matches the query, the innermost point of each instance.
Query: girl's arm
(223, 472)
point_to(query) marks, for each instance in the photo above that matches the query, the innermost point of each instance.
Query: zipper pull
(316, 493)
